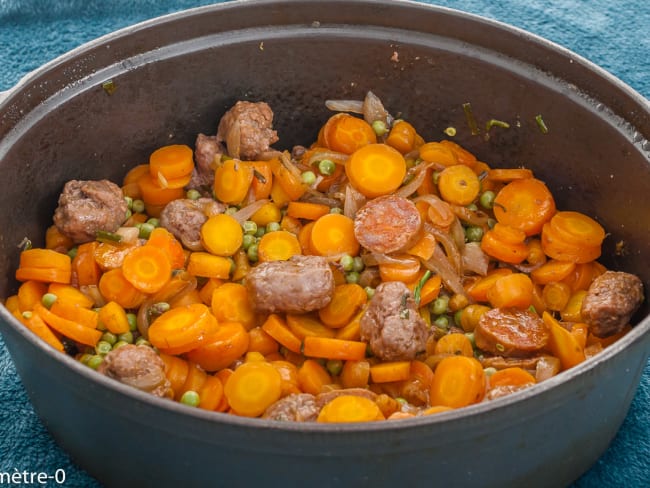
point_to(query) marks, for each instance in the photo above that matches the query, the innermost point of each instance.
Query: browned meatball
(86, 207)
(511, 332)
(323, 399)
(184, 218)
(300, 284)
(246, 129)
(207, 152)
(388, 224)
(139, 367)
(612, 299)
(392, 325)
(298, 407)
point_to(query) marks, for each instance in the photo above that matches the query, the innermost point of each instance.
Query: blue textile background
(612, 33)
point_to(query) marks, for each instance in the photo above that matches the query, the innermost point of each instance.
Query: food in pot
(369, 275)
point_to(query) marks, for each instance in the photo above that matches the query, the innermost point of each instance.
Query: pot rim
(640, 332)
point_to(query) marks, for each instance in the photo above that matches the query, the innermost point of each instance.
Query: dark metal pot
(175, 77)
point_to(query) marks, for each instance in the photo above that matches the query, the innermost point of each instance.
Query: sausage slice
(511, 332)
(388, 224)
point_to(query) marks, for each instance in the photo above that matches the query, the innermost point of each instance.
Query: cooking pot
(173, 77)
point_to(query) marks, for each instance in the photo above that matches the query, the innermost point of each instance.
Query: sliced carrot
(154, 194)
(232, 181)
(242, 265)
(352, 330)
(576, 227)
(430, 289)
(225, 346)
(113, 316)
(333, 234)
(84, 316)
(84, 265)
(208, 265)
(176, 371)
(376, 169)
(262, 178)
(211, 393)
(557, 248)
(277, 328)
(551, 271)
(147, 268)
(290, 183)
(291, 224)
(44, 265)
(182, 329)
(355, 374)
(267, 213)
(260, 341)
(470, 316)
(463, 156)
(562, 343)
(436, 409)
(252, 388)
(69, 294)
(30, 293)
(72, 330)
(580, 332)
(55, 240)
(556, 296)
(509, 174)
(278, 246)
(278, 195)
(525, 204)
(513, 290)
(535, 252)
(114, 286)
(165, 240)
(350, 408)
(402, 136)
(304, 238)
(289, 374)
(572, 311)
(390, 371)
(346, 133)
(346, 301)
(208, 288)
(458, 381)
(478, 290)
(501, 250)
(454, 343)
(304, 325)
(458, 184)
(307, 210)
(312, 377)
(513, 376)
(222, 235)
(435, 152)
(134, 174)
(331, 348)
(406, 270)
(173, 162)
(194, 381)
(231, 303)
(37, 325)
(424, 248)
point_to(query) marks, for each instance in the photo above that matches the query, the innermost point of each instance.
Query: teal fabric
(613, 34)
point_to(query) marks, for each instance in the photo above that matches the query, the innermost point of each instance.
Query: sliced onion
(373, 110)
(354, 200)
(411, 187)
(375, 259)
(245, 213)
(453, 253)
(285, 159)
(336, 157)
(474, 259)
(439, 263)
(477, 218)
(354, 106)
(457, 234)
(233, 140)
(441, 208)
(129, 235)
(92, 292)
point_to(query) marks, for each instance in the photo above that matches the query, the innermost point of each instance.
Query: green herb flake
(105, 236)
(471, 120)
(541, 124)
(109, 87)
(496, 123)
(418, 288)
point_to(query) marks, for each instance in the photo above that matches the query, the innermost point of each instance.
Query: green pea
(489, 371)
(129, 202)
(439, 305)
(84, 358)
(472, 339)
(193, 194)
(457, 316)
(48, 299)
(127, 214)
(251, 252)
(231, 210)
(474, 233)
(154, 221)
(435, 175)
(119, 344)
(141, 341)
(487, 199)
(160, 308)
(346, 262)
(273, 227)
(352, 277)
(126, 337)
(249, 227)
(380, 128)
(103, 347)
(145, 229)
(109, 337)
(94, 361)
(137, 206)
(260, 231)
(472, 207)
(247, 241)
(491, 223)
(133, 321)
(308, 177)
(370, 292)
(73, 252)
(327, 167)
(336, 210)
(190, 398)
(358, 264)
(442, 322)
(334, 366)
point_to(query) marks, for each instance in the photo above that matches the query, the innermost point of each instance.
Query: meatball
(392, 325)
(184, 218)
(298, 407)
(86, 207)
(207, 151)
(611, 300)
(139, 367)
(298, 285)
(246, 129)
